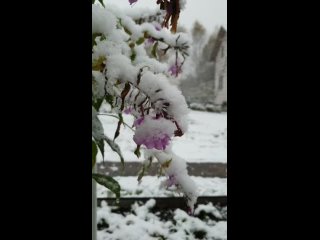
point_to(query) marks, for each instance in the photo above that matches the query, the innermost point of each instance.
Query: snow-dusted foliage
(133, 66)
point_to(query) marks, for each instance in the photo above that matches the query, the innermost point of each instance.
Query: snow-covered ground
(205, 141)
(150, 187)
(142, 224)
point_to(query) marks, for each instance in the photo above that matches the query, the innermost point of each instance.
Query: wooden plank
(132, 169)
(164, 202)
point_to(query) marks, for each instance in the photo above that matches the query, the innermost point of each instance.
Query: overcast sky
(208, 12)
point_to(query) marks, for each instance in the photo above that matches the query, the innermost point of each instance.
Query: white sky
(209, 13)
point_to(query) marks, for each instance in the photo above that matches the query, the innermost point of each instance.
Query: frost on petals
(177, 174)
(175, 70)
(154, 133)
(138, 121)
(128, 110)
(171, 180)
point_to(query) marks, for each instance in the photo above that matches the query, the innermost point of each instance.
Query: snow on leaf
(101, 1)
(109, 183)
(97, 128)
(97, 131)
(137, 151)
(97, 103)
(154, 50)
(116, 134)
(115, 147)
(140, 41)
(94, 153)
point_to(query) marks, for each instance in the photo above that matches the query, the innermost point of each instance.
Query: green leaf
(97, 131)
(126, 30)
(141, 173)
(160, 171)
(140, 41)
(97, 128)
(137, 151)
(101, 1)
(150, 162)
(94, 36)
(120, 117)
(133, 55)
(94, 153)
(109, 99)
(115, 147)
(109, 183)
(97, 103)
(116, 134)
(101, 147)
(154, 50)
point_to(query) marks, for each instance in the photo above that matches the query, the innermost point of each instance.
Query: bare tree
(199, 37)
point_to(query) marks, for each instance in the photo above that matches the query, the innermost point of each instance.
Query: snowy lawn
(142, 224)
(150, 187)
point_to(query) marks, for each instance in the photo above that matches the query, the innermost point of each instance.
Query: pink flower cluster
(153, 132)
(159, 141)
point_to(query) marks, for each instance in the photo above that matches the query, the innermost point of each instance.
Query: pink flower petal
(128, 110)
(138, 121)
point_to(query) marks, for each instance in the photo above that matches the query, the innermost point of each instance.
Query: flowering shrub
(131, 72)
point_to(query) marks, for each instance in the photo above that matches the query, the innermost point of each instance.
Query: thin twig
(110, 115)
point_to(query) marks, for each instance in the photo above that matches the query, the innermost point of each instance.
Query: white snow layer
(152, 187)
(141, 224)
